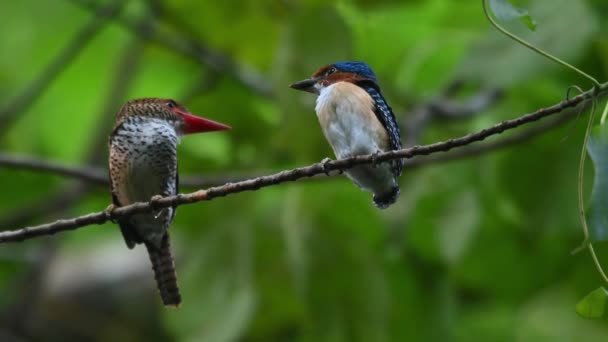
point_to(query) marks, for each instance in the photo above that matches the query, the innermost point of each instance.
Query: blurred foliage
(597, 147)
(474, 250)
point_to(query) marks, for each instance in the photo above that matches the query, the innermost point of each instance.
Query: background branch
(476, 150)
(445, 106)
(22, 101)
(290, 175)
(99, 175)
(193, 48)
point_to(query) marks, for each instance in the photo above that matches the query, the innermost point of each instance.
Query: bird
(142, 167)
(357, 120)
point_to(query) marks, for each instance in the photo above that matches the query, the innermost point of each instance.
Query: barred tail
(164, 272)
(385, 200)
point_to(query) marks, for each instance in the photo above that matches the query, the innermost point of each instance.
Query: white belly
(147, 167)
(345, 112)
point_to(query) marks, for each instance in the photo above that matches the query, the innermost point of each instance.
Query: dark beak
(306, 85)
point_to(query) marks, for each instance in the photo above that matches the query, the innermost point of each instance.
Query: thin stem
(581, 170)
(581, 203)
(543, 53)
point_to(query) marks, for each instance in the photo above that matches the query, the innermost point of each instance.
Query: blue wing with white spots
(384, 113)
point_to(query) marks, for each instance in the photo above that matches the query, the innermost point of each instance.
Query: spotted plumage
(143, 164)
(356, 119)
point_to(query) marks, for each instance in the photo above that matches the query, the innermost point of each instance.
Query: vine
(587, 243)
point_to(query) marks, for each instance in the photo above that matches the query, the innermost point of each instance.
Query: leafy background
(474, 250)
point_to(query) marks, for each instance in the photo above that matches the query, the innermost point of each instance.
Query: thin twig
(194, 49)
(290, 175)
(477, 150)
(22, 101)
(74, 192)
(445, 107)
(92, 175)
(99, 175)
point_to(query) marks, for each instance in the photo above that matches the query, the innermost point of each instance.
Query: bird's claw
(108, 212)
(154, 202)
(156, 198)
(375, 162)
(325, 163)
(160, 212)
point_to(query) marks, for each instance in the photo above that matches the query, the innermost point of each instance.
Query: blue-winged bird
(357, 120)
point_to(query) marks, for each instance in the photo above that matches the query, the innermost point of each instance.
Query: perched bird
(357, 120)
(143, 165)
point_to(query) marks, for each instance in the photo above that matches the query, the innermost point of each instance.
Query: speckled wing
(384, 113)
(128, 231)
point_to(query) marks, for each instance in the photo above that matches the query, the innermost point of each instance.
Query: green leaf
(503, 10)
(594, 304)
(597, 147)
(501, 63)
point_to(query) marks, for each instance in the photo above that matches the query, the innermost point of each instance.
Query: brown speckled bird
(143, 164)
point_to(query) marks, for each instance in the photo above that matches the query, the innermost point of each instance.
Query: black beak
(305, 85)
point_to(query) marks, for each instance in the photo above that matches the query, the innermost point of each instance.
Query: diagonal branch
(126, 69)
(446, 107)
(88, 174)
(193, 49)
(291, 175)
(12, 109)
(476, 150)
(99, 175)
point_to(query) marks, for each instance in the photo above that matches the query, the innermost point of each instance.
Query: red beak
(196, 124)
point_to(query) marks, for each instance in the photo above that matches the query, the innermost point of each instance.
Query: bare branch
(290, 175)
(445, 107)
(12, 109)
(194, 49)
(477, 150)
(99, 175)
(74, 192)
(88, 174)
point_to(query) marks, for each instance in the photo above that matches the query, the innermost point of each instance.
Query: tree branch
(126, 69)
(290, 175)
(194, 49)
(445, 107)
(12, 109)
(99, 176)
(476, 150)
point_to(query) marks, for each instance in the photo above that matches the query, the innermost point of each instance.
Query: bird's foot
(159, 213)
(375, 162)
(154, 203)
(325, 163)
(155, 198)
(108, 211)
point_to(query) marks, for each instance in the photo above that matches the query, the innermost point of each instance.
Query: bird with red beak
(143, 165)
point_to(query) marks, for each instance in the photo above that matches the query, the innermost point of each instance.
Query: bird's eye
(171, 104)
(330, 71)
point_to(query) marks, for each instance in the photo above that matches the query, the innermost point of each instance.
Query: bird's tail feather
(164, 272)
(385, 200)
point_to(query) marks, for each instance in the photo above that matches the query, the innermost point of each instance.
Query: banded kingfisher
(143, 166)
(357, 120)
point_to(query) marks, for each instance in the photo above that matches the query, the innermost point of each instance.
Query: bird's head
(175, 114)
(337, 72)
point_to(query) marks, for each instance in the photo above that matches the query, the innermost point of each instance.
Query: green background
(474, 250)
